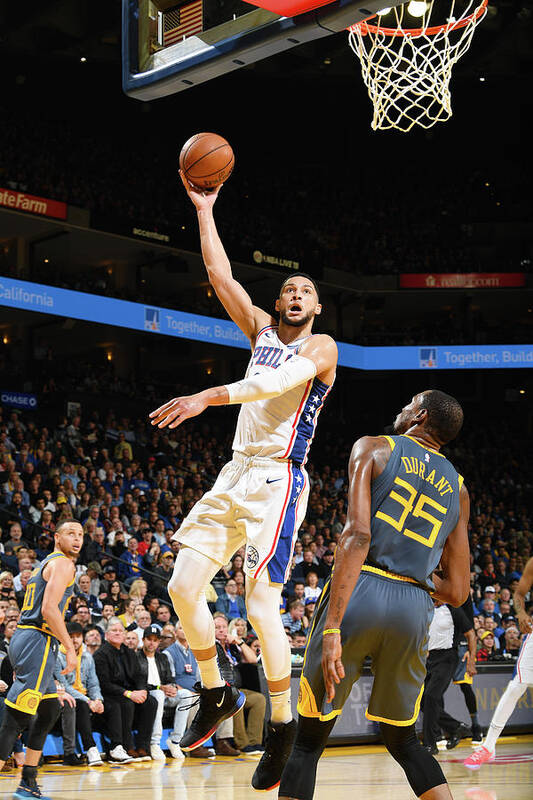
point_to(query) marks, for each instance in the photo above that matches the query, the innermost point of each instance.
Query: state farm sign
(19, 201)
(468, 280)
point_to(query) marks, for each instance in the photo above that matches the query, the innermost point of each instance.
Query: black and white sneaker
(216, 705)
(278, 746)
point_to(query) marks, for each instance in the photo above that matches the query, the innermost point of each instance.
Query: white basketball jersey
(283, 426)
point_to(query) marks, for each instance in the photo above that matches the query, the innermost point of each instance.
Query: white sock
(210, 673)
(503, 711)
(281, 707)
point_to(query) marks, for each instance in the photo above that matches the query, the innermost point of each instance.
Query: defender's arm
(350, 556)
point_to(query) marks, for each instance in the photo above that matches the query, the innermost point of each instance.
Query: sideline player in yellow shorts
(33, 651)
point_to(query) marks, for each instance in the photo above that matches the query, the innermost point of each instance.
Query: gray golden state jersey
(31, 612)
(415, 507)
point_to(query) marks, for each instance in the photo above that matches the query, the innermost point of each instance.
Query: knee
(398, 740)
(159, 697)
(183, 587)
(259, 616)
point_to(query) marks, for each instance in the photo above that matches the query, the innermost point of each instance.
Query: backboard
(172, 45)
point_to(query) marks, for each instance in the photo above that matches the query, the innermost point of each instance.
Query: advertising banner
(43, 206)
(468, 280)
(18, 399)
(154, 319)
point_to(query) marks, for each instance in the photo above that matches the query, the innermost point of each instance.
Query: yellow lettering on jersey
(443, 486)
(415, 466)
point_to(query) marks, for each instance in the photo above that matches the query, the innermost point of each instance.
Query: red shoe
(479, 757)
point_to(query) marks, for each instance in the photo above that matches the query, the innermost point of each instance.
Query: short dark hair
(445, 415)
(67, 522)
(301, 275)
(74, 627)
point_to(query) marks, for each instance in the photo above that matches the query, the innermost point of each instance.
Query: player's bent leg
(43, 722)
(192, 572)
(421, 770)
(13, 723)
(299, 776)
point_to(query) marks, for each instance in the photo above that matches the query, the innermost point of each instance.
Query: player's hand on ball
(178, 410)
(332, 666)
(201, 199)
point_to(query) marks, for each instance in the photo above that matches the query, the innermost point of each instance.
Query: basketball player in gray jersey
(408, 512)
(32, 699)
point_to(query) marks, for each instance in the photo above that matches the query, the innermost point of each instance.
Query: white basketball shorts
(523, 671)
(257, 502)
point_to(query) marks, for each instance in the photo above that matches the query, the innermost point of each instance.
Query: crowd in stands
(415, 226)
(130, 487)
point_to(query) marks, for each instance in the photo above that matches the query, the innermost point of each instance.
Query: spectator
(92, 639)
(294, 620)
(312, 589)
(511, 641)
(131, 640)
(230, 603)
(232, 651)
(185, 674)
(163, 615)
(127, 617)
(168, 636)
(487, 650)
(157, 672)
(127, 703)
(143, 620)
(84, 592)
(82, 685)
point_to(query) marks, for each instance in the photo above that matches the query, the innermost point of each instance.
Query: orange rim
(364, 28)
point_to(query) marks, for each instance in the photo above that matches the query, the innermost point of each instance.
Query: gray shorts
(33, 656)
(387, 619)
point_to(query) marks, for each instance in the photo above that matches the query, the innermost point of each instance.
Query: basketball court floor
(364, 772)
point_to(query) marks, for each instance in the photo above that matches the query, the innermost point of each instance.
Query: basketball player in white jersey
(260, 497)
(522, 676)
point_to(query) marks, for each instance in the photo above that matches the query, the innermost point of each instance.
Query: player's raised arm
(58, 574)
(454, 585)
(350, 556)
(519, 598)
(231, 294)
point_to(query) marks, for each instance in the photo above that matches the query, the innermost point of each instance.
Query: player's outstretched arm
(519, 598)
(350, 556)
(454, 585)
(231, 294)
(295, 371)
(59, 574)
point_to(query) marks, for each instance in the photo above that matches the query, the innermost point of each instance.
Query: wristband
(331, 630)
(128, 695)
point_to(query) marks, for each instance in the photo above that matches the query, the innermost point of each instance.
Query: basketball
(207, 160)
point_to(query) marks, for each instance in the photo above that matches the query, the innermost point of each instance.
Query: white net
(407, 69)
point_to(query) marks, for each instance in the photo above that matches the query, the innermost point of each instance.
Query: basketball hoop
(407, 70)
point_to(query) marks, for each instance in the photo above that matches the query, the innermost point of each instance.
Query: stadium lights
(417, 8)
(83, 59)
